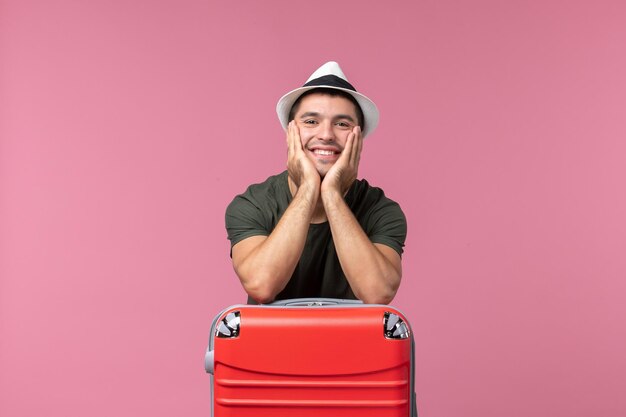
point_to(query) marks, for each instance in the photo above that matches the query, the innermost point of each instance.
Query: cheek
(342, 138)
(305, 137)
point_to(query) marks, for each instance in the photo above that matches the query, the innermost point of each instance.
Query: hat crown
(329, 68)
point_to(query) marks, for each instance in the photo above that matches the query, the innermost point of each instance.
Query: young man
(315, 230)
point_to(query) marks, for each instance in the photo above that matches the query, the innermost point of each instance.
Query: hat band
(330, 81)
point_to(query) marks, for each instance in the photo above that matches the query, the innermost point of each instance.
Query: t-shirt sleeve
(244, 219)
(387, 225)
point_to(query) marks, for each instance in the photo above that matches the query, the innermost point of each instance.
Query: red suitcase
(306, 357)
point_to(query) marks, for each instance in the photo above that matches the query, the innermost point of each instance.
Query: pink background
(126, 127)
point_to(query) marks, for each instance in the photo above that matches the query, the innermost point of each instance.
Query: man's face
(325, 123)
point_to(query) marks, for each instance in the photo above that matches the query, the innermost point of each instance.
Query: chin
(323, 172)
(323, 169)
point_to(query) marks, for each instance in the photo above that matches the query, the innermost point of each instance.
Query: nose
(326, 132)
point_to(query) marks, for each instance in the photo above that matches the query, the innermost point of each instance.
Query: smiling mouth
(325, 152)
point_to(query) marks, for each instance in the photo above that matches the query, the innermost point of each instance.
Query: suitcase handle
(313, 302)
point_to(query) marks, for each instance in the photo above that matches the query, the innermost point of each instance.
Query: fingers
(357, 145)
(293, 138)
(346, 153)
(352, 149)
(297, 141)
(290, 138)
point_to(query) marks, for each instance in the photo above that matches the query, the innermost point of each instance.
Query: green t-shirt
(318, 273)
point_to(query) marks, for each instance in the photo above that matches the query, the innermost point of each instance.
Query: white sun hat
(329, 75)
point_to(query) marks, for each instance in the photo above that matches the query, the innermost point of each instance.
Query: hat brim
(369, 109)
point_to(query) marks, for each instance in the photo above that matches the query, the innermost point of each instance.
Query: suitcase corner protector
(209, 361)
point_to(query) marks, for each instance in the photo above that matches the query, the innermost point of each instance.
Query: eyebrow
(339, 116)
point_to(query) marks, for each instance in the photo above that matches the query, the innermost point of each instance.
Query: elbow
(261, 297)
(378, 298)
(259, 290)
(383, 292)
(255, 284)
(378, 295)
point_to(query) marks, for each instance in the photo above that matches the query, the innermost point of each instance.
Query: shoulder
(267, 199)
(276, 184)
(257, 210)
(382, 218)
(272, 189)
(362, 195)
(372, 208)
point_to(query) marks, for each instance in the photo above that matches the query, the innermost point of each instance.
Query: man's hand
(300, 168)
(344, 172)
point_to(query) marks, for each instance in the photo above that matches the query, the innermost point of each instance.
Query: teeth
(323, 152)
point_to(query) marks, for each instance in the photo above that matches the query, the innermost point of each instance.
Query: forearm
(265, 269)
(371, 275)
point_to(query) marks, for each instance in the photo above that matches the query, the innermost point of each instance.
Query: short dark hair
(333, 93)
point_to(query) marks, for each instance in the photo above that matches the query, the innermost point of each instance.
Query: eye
(344, 125)
(310, 122)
